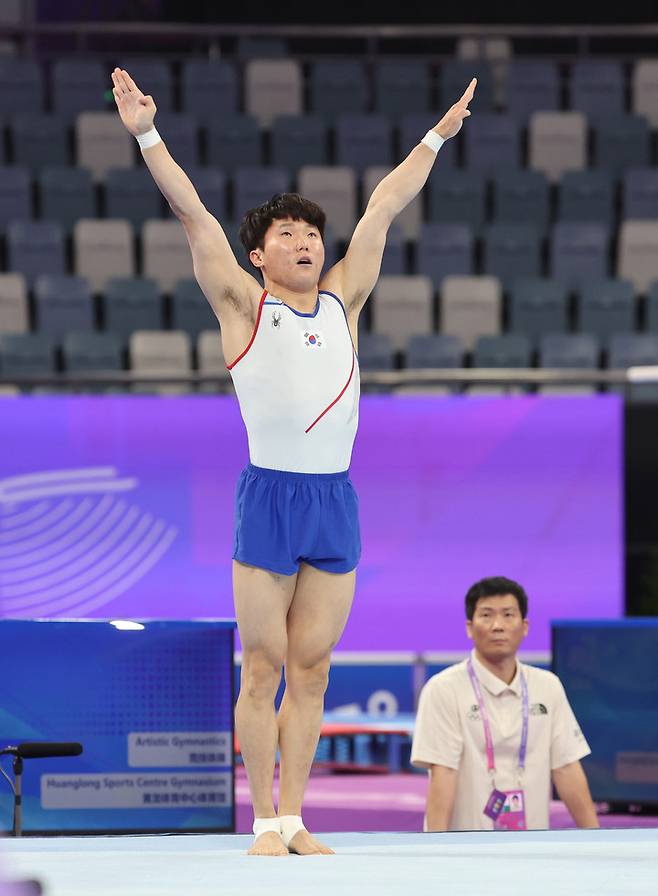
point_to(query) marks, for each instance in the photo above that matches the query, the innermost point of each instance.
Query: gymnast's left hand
(451, 122)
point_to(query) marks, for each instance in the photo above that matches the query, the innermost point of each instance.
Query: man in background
(494, 732)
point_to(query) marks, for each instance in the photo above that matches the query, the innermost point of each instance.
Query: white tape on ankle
(265, 825)
(290, 825)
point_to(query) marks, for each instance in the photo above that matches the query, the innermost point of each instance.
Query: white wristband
(150, 138)
(433, 140)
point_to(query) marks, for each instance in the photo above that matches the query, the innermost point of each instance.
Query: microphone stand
(31, 751)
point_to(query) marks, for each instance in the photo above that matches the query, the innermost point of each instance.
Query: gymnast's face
(497, 627)
(292, 254)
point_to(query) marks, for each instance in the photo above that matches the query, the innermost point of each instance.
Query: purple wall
(127, 510)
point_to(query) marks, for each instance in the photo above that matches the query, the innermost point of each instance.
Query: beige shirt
(449, 732)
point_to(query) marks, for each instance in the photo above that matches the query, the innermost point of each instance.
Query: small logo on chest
(276, 319)
(313, 339)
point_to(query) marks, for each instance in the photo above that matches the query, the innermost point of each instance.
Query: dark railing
(107, 36)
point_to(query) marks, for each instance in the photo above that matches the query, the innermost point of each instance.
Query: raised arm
(227, 286)
(354, 276)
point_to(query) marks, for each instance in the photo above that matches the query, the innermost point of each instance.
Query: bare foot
(268, 844)
(304, 844)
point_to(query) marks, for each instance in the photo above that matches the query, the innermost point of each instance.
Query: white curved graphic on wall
(70, 544)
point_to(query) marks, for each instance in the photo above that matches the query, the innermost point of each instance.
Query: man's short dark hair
(495, 586)
(284, 205)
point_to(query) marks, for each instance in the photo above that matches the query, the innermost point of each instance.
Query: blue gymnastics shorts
(283, 519)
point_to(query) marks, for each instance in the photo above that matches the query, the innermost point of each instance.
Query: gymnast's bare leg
(293, 621)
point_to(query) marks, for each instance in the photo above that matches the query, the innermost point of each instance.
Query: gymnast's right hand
(136, 110)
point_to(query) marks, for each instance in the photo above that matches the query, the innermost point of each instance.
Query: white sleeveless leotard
(297, 384)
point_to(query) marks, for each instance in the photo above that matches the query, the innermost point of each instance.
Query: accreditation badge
(495, 804)
(512, 815)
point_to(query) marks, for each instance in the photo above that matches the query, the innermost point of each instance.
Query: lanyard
(488, 739)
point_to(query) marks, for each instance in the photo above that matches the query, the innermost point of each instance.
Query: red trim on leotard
(253, 335)
(337, 398)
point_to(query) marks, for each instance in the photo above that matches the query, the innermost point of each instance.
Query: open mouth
(304, 261)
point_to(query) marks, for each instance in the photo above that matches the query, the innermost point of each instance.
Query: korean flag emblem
(313, 339)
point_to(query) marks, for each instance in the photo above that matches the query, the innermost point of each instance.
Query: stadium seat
(210, 357)
(132, 194)
(640, 194)
(633, 350)
(402, 88)
(15, 195)
(606, 307)
(209, 89)
(511, 252)
(538, 306)
(62, 303)
(644, 90)
(521, 197)
(572, 351)
(338, 88)
(299, 140)
(160, 353)
(586, 196)
(334, 189)
(103, 249)
(190, 309)
(444, 249)
(637, 258)
(79, 86)
(621, 142)
(402, 306)
(35, 247)
(557, 143)
(26, 354)
(568, 350)
(181, 134)
(579, 252)
(166, 256)
(130, 304)
(254, 186)
(21, 87)
(66, 195)
(234, 141)
(471, 307)
(39, 141)
(273, 87)
(102, 142)
(492, 143)
(363, 140)
(14, 309)
(375, 352)
(457, 197)
(597, 88)
(531, 86)
(91, 352)
(506, 350)
(427, 350)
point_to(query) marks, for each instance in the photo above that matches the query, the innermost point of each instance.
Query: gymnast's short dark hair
(284, 205)
(495, 586)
